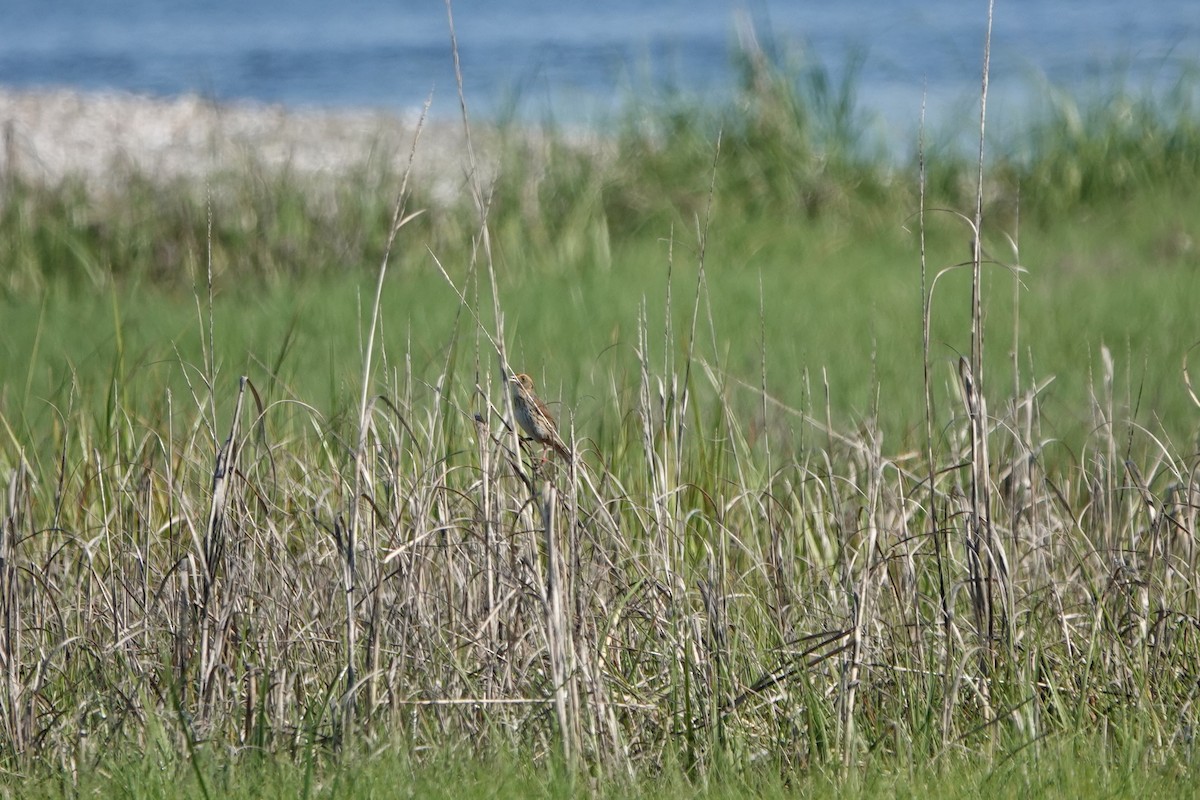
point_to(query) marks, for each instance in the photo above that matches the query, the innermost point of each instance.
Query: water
(579, 61)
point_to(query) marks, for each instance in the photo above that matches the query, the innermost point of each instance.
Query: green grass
(1055, 768)
(731, 592)
(830, 296)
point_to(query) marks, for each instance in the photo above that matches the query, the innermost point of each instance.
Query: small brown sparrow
(533, 416)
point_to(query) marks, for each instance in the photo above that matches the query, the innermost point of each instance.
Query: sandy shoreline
(53, 134)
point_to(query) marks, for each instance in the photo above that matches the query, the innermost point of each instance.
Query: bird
(533, 416)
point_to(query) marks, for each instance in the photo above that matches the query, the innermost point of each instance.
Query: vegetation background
(799, 545)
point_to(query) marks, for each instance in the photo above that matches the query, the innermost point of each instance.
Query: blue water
(578, 61)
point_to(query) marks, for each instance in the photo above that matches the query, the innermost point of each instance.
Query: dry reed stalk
(17, 706)
(559, 643)
(861, 605)
(934, 527)
(487, 520)
(362, 475)
(212, 616)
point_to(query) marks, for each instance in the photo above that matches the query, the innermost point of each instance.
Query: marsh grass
(1061, 768)
(737, 582)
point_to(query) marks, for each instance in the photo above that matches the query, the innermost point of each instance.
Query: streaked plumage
(533, 416)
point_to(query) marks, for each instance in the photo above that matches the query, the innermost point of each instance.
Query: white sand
(54, 134)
